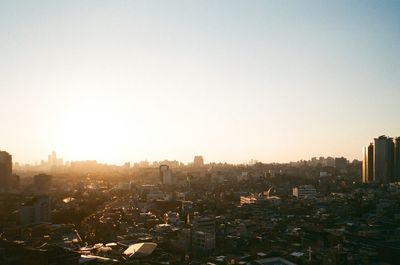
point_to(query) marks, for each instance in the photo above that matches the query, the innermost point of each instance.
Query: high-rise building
(384, 167)
(198, 161)
(5, 171)
(383, 159)
(368, 163)
(166, 176)
(397, 159)
(203, 234)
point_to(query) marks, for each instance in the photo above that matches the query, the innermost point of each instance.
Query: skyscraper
(383, 159)
(5, 170)
(368, 163)
(397, 159)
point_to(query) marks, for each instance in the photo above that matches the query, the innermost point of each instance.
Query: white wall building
(35, 211)
(305, 192)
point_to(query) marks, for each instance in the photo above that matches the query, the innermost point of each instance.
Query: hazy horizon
(274, 81)
(119, 163)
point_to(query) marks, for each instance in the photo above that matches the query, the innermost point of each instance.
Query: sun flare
(91, 132)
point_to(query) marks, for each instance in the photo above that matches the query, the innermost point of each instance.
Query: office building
(383, 159)
(5, 171)
(368, 163)
(384, 166)
(397, 159)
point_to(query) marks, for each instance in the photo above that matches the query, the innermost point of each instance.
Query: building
(42, 183)
(198, 161)
(14, 182)
(166, 176)
(248, 200)
(203, 241)
(341, 164)
(330, 162)
(368, 163)
(203, 234)
(5, 171)
(35, 211)
(397, 159)
(53, 161)
(304, 192)
(383, 159)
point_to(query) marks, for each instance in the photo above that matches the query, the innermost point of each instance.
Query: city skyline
(54, 160)
(234, 81)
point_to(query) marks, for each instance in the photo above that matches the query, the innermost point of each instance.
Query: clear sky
(123, 81)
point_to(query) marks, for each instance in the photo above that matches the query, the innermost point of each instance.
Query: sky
(275, 81)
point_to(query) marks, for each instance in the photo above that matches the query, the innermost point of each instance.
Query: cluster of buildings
(381, 160)
(339, 163)
(308, 213)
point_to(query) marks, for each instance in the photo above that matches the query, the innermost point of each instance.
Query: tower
(383, 159)
(5, 171)
(368, 163)
(397, 159)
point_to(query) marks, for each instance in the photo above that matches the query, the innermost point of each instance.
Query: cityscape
(320, 211)
(202, 132)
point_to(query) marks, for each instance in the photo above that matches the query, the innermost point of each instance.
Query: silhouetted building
(383, 159)
(14, 182)
(397, 158)
(368, 163)
(5, 171)
(341, 164)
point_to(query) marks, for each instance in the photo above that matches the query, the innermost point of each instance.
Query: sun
(92, 132)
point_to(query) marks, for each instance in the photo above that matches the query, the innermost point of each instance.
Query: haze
(232, 80)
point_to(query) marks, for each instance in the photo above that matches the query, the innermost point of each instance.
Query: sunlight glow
(89, 132)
